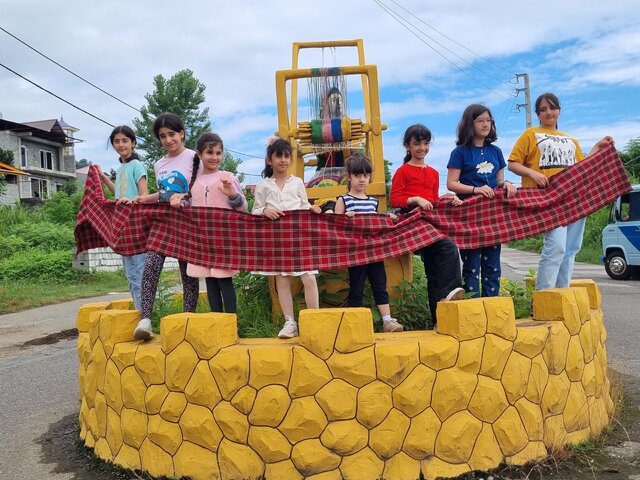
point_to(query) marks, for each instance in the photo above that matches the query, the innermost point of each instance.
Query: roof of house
(11, 170)
(64, 124)
(46, 129)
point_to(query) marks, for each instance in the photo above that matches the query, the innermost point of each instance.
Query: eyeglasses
(483, 120)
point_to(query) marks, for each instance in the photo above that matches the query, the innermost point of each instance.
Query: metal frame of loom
(371, 126)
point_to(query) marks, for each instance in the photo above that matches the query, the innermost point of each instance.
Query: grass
(16, 296)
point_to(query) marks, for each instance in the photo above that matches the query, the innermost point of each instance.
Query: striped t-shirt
(360, 205)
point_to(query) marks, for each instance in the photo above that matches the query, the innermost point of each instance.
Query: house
(43, 150)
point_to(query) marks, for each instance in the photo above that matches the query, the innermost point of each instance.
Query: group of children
(476, 167)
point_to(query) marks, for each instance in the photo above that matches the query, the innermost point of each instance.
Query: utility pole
(527, 96)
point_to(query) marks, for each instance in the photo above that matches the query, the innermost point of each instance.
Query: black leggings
(221, 290)
(150, 277)
(442, 269)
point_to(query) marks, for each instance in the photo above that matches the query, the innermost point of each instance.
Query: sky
(433, 58)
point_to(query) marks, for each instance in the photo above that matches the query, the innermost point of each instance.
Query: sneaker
(392, 326)
(143, 330)
(289, 329)
(455, 294)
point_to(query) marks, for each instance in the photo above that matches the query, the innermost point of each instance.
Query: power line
(245, 154)
(57, 96)
(66, 69)
(89, 83)
(402, 21)
(452, 40)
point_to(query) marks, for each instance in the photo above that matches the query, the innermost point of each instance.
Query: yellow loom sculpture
(325, 139)
(341, 402)
(329, 134)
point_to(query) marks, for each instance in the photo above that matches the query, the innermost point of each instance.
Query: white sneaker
(143, 330)
(289, 330)
(392, 326)
(455, 294)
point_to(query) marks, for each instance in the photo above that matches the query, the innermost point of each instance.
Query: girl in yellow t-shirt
(539, 154)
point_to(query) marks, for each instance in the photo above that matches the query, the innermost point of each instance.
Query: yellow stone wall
(341, 402)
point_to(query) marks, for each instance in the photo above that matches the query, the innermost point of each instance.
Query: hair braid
(194, 174)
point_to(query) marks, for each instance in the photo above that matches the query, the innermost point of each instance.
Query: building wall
(106, 260)
(10, 195)
(62, 171)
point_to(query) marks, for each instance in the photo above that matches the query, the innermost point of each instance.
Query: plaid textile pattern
(302, 240)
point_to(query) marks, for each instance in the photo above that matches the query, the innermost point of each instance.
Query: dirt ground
(615, 456)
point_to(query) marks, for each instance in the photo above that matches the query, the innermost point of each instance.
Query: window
(46, 159)
(38, 188)
(23, 156)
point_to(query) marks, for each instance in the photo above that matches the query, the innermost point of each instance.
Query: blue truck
(621, 237)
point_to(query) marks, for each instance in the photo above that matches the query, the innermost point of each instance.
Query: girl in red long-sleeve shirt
(416, 185)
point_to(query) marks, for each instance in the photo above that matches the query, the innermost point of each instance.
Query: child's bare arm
(106, 180)
(602, 143)
(541, 180)
(150, 198)
(142, 186)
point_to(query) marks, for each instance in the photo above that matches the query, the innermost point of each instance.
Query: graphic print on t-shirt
(170, 183)
(556, 151)
(123, 186)
(484, 167)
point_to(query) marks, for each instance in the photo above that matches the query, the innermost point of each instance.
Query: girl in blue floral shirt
(476, 167)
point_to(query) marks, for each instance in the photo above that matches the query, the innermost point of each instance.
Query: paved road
(38, 385)
(620, 305)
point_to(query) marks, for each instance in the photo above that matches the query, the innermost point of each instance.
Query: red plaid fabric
(302, 240)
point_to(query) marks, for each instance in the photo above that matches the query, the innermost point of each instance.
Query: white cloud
(235, 50)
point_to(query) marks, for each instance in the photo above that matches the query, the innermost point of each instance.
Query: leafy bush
(591, 250)
(38, 264)
(533, 244)
(10, 216)
(254, 306)
(45, 235)
(62, 207)
(520, 294)
(411, 308)
(10, 244)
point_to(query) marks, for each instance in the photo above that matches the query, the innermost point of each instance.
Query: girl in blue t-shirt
(131, 181)
(476, 167)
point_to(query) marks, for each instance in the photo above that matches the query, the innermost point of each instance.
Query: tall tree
(631, 157)
(230, 164)
(181, 94)
(83, 162)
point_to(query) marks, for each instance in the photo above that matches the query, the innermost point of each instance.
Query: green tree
(83, 163)
(181, 94)
(70, 187)
(631, 157)
(6, 156)
(230, 164)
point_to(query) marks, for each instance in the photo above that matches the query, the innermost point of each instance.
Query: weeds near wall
(520, 294)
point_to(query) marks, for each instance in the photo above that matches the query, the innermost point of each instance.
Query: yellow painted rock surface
(340, 402)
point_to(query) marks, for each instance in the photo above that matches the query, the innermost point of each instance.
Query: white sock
(386, 318)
